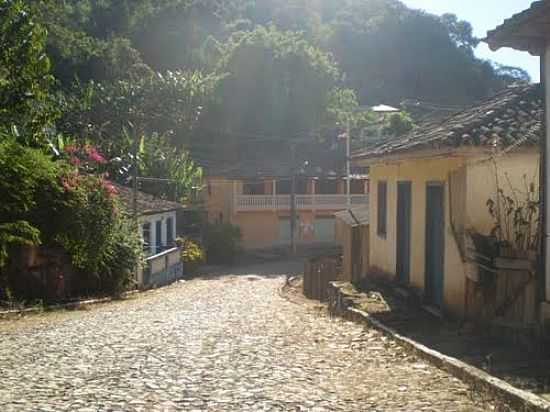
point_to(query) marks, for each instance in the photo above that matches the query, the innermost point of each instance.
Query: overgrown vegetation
(59, 202)
(516, 215)
(51, 204)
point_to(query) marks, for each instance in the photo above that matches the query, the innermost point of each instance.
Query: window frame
(146, 240)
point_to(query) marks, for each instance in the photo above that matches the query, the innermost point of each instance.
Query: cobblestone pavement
(223, 343)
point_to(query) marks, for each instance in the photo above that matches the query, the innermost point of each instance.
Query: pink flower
(109, 187)
(93, 154)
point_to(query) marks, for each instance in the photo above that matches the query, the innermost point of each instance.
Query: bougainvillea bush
(67, 204)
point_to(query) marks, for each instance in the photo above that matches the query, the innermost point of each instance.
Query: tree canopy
(200, 71)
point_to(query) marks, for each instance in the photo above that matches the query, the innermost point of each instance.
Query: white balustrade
(303, 202)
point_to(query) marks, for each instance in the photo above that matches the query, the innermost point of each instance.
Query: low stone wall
(162, 269)
(342, 302)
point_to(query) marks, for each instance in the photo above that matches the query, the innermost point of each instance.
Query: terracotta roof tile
(146, 203)
(519, 30)
(512, 117)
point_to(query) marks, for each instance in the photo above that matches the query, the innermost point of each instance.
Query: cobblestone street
(221, 343)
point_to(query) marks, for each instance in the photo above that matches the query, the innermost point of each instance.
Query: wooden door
(403, 235)
(435, 242)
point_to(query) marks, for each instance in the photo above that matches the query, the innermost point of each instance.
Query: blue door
(403, 228)
(158, 236)
(435, 242)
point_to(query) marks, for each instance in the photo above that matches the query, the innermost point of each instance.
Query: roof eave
(160, 211)
(416, 154)
(528, 30)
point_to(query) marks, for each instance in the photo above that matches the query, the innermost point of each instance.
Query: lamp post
(380, 109)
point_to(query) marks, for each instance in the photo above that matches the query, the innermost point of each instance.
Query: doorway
(435, 242)
(404, 204)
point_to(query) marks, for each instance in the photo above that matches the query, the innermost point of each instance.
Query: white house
(157, 227)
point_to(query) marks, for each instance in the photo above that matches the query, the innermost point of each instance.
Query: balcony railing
(303, 202)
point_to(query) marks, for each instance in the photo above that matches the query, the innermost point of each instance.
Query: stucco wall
(219, 199)
(469, 183)
(259, 229)
(513, 172)
(383, 248)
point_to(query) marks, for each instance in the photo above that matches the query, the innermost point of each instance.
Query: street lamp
(380, 109)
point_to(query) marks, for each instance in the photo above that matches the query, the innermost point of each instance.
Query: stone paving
(221, 343)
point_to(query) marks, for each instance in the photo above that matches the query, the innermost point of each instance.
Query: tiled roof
(526, 30)
(146, 203)
(356, 216)
(512, 117)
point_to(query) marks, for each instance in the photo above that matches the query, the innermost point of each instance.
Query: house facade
(430, 192)
(529, 31)
(261, 207)
(157, 220)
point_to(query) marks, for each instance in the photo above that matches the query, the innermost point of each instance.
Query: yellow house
(429, 190)
(260, 207)
(529, 31)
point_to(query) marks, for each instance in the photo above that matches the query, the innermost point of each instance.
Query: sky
(485, 15)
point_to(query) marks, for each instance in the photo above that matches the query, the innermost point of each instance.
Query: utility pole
(293, 199)
(135, 176)
(348, 161)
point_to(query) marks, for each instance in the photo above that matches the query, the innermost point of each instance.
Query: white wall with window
(158, 232)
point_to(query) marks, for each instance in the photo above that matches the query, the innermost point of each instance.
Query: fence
(318, 273)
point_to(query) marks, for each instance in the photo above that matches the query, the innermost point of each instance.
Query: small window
(146, 233)
(382, 208)
(169, 232)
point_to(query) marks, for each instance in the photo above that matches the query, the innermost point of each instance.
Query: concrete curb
(71, 305)
(480, 380)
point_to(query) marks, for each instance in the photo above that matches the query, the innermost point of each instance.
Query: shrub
(53, 204)
(223, 243)
(102, 241)
(192, 254)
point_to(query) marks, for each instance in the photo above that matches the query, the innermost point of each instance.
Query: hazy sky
(485, 15)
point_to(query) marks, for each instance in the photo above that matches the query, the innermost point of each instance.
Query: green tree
(25, 76)
(276, 84)
(153, 118)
